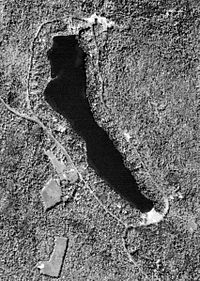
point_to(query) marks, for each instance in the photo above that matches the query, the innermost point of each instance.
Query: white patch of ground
(153, 216)
(93, 19)
(127, 136)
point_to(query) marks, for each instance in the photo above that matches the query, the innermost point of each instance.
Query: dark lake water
(66, 94)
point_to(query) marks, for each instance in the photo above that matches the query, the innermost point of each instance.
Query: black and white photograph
(100, 140)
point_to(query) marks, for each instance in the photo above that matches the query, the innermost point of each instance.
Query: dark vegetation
(150, 66)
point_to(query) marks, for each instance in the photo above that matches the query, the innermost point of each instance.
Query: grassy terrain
(149, 63)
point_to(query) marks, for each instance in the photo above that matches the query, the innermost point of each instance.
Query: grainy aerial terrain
(143, 86)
